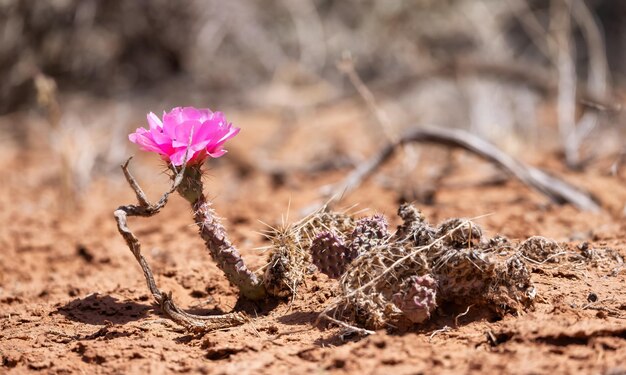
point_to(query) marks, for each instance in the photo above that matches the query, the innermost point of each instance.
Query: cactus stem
(215, 236)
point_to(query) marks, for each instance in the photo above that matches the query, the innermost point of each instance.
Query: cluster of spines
(286, 263)
(289, 257)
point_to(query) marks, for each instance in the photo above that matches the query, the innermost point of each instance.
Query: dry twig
(554, 188)
(195, 323)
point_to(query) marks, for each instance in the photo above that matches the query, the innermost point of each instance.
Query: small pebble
(592, 297)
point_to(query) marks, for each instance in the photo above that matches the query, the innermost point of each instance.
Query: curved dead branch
(194, 323)
(558, 190)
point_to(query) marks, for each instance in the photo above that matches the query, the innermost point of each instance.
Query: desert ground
(529, 92)
(73, 300)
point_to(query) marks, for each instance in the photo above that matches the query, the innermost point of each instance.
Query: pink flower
(170, 137)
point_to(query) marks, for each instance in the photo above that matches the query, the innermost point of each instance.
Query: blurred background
(77, 75)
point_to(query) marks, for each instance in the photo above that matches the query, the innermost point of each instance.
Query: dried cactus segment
(290, 259)
(287, 263)
(330, 254)
(371, 280)
(511, 289)
(417, 298)
(382, 267)
(402, 278)
(410, 214)
(368, 233)
(415, 228)
(460, 233)
(497, 245)
(324, 221)
(463, 275)
(541, 249)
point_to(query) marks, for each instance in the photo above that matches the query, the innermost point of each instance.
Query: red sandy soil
(73, 300)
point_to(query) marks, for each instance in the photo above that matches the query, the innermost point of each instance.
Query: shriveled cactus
(460, 233)
(324, 220)
(406, 276)
(511, 289)
(541, 249)
(373, 280)
(330, 254)
(414, 229)
(289, 256)
(417, 298)
(368, 233)
(463, 275)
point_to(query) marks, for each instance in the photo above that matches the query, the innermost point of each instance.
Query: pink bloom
(170, 137)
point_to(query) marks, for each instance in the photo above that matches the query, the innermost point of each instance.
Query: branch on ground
(558, 190)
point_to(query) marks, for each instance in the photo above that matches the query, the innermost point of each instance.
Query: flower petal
(199, 133)
(144, 140)
(190, 113)
(232, 131)
(217, 153)
(183, 133)
(154, 121)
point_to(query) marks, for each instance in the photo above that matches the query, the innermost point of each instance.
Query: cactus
(324, 220)
(373, 279)
(541, 249)
(414, 228)
(511, 289)
(330, 255)
(215, 237)
(463, 275)
(286, 263)
(289, 257)
(368, 233)
(417, 298)
(405, 276)
(461, 233)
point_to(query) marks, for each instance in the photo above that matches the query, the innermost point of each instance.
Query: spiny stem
(216, 239)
